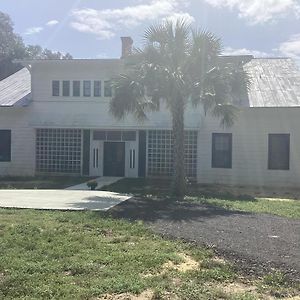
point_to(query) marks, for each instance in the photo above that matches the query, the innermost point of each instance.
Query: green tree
(12, 47)
(178, 65)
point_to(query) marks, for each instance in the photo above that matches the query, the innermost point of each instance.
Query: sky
(92, 28)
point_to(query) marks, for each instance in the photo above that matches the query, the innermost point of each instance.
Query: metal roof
(275, 82)
(15, 90)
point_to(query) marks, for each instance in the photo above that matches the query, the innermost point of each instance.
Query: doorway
(114, 159)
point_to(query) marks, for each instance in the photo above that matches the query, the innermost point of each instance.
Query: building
(54, 119)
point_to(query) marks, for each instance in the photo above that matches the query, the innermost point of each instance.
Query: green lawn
(211, 195)
(40, 182)
(284, 208)
(85, 255)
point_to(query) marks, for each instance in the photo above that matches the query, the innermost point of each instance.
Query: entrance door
(114, 159)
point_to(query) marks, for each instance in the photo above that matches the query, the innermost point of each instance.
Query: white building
(55, 119)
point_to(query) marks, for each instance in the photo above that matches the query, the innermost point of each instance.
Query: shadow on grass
(152, 209)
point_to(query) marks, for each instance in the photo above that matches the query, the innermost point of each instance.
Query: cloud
(52, 23)
(260, 11)
(33, 30)
(105, 23)
(291, 47)
(179, 16)
(244, 51)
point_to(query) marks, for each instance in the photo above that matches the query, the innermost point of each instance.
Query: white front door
(96, 158)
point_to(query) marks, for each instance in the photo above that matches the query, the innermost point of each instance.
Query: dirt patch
(187, 264)
(146, 295)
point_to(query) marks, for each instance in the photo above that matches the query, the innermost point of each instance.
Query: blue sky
(92, 28)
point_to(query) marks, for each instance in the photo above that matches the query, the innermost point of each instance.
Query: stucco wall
(250, 148)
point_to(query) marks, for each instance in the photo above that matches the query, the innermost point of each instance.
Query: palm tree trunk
(178, 186)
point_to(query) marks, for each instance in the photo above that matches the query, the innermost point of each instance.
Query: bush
(92, 184)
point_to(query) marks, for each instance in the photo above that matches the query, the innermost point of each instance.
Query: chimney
(126, 46)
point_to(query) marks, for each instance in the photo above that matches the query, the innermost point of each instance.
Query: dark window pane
(76, 88)
(66, 88)
(86, 88)
(221, 150)
(99, 135)
(97, 88)
(279, 151)
(128, 135)
(55, 87)
(114, 135)
(5, 145)
(107, 89)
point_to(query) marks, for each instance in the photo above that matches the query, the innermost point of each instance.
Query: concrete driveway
(60, 199)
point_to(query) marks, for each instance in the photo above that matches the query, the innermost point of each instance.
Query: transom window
(66, 88)
(279, 152)
(86, 88)
(5, 145)
(55, 87)
(114, 135)
(76, 88)
(97, 88)
(221, 150)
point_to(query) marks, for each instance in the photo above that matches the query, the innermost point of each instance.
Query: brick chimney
(126, 46)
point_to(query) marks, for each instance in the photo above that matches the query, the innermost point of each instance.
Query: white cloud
(33, 30)
(244, 51)
(291, 47)
(260, 11)
(179, 16)
(105, 23)
(52, 23)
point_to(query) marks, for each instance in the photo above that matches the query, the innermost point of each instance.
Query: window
(76, 88)
(107, 88)
(58, 150)
(55, 87)
(97, 88)
(128, 136)
(160, 153)
(132, 159)
(113, 135)
(279, 152)
(221, 150)
(66, 88)
(86, 88)
(5, 145)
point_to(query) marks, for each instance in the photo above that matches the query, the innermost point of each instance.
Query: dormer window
(55, 87)
(86, 88)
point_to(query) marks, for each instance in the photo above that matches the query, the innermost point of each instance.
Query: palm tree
(178, 65)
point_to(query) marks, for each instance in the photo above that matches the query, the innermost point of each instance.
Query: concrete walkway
(60, 199)
(102, 181)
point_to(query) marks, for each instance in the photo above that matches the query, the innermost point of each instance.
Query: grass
(284, 208)
(210, 194)
(40, 182)
(85, 255)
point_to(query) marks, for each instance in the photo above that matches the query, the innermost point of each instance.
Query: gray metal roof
(15, 90)
(275, 82)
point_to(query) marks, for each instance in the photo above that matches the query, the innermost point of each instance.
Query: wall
(23, 142)
(250, 148)
(87, 112)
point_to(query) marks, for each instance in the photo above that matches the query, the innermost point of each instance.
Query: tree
(12, 47)
(177, 66)
(37, 52)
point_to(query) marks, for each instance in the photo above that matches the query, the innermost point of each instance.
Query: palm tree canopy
(177, 62)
